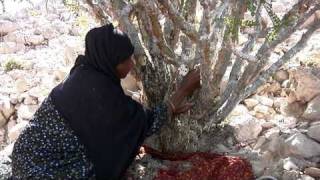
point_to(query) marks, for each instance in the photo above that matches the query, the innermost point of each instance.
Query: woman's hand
(190, 82)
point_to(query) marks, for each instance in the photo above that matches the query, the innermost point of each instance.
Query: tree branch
(157, 32)
(285, 58)
(227, 106)
(166, 7)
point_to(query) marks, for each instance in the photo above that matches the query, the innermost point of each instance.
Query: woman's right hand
(190, 82)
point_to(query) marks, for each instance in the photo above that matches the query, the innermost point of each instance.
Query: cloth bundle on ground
(204, 165)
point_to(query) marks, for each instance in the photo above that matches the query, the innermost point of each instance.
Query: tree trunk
(172, 35)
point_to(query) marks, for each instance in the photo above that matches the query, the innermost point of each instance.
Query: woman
(88, 128)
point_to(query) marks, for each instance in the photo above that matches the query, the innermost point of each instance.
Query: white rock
(314, 132)
(251, 102)
(10, 47)
(29, 100)
(7, 27)
(34, 39)
(299, 144)
(281, 75)
(16, 130)
(295, 109)
(60, 26)
(271, 133)
(278, 101)
(290, 175)
(246, 127)
(7, 151)
(16, 36)
(261, 140)
(284, 123)
(286, 83)
(261, 109)
(27, 111)
(6, 110)
(308, 85)
(239, 110)
(49, 32)
(70, 54)
(59, 75)
(21, 85)
(264, 100)
(306, 177)
(14, 99)
(312, 111)
(288, 165)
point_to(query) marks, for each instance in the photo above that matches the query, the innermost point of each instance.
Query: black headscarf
(110, 124)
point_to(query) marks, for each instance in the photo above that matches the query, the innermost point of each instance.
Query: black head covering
(106, 47)
(110, 124)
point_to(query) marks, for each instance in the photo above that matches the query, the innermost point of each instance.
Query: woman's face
(124, 68)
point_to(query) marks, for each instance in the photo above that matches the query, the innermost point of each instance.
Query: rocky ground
(277, 128)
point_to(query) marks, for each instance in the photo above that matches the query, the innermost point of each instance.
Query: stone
(59, 75)
(16, 36)
(278, 101)
(261, 109)
(70, 54)
(306, 177)
(14, 99)
(27, 111)
(34, 39)
(284, 122)
(271, 133)
(75, 31)
(307, 85)
(5, 167)
(295, 109)
(289, 165)
(314, 132)
(276, 145)
(281, 76)
(7, 151)
(312, 111)
(300, 145)
(10, 47)
(29, 100)
(251, 102)
(312, 171)
(301, 163)
(49, 32)
(6, 110)
(14, 132)
(268, 125)
(246, 127)
(239, 110)
(290, 175)
(21, 85)
(7, 27)
(264, 100)
(261, 140)
(286, 83)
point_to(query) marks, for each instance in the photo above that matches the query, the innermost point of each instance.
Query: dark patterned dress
(49, 149)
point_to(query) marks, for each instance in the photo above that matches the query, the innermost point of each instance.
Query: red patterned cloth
(203, 166)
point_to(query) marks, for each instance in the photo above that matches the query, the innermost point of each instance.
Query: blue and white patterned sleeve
(158, 118)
